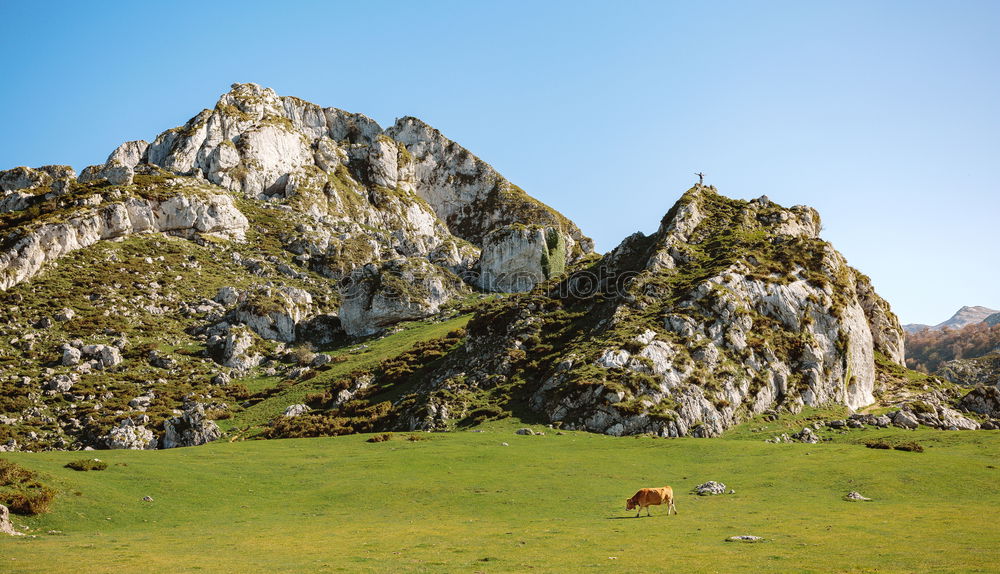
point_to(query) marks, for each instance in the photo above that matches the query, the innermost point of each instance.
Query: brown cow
(647, 497)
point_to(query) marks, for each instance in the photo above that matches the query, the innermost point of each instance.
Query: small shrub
(416, 437)
(384, 437)
(85, 464)
(21, 492)
(882, 443)
(32, 502)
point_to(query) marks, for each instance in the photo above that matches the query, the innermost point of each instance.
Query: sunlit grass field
(464, 502)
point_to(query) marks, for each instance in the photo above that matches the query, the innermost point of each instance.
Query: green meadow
(464, 502)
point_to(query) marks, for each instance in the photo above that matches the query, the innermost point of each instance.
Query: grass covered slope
(462, 502)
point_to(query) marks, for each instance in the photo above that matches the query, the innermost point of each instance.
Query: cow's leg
(647, 512)
(638, 513)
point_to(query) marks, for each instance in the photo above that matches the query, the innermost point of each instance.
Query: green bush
(882, 443)
(384, 437)
(85, 464)
(21, 492)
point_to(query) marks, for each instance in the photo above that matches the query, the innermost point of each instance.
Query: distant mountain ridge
(965, 316)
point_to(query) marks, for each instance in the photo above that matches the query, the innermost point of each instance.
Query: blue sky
(885, 116)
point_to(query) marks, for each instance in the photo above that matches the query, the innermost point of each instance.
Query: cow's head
(630, 504)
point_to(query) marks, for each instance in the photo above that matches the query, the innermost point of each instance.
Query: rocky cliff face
(732, 308)
(369, 196)
(117, 214)
(232, 246)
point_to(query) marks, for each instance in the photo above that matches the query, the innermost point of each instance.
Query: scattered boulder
(806, 435)
(296, 410)
(70, 356)
(61, 383)
(905, 419)
(147, 499)
(6, 526)
(161, 361)
(222, 379)
(836, 424)
(227, 296)
(710, 488)
(954, 420)
(321, 359)
(131, 436)
(856, 497)
(65, 315)
(190, 429)
(783, 437)
(525, 431)
(104, 356)
(933, 415)
(142, 402)
(745, 538)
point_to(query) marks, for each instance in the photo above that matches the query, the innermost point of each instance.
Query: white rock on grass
(6, 526)
(295, 410)
(131, 436)
(745, 538)
(709, 488)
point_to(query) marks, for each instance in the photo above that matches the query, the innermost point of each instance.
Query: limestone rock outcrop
(192, 428)
(984, 400)
(343, 166)
(732, 308)
(377, 296)
(130, 435)
(26, 251)
(515, 258)
(273, 313)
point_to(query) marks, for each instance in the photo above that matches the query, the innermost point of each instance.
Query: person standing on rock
(701, 178)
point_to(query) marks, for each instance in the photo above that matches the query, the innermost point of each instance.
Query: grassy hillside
(249, 422)
(463, 502)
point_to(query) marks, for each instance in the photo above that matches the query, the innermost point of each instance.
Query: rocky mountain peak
(967, 315)
(363, 200)
(730, 309)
